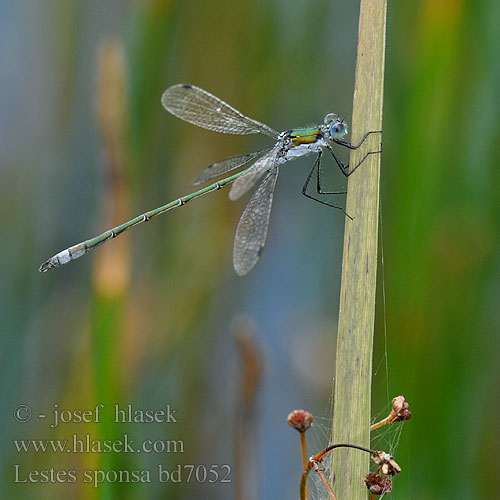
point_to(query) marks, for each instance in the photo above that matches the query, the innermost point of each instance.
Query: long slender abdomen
(74, 252)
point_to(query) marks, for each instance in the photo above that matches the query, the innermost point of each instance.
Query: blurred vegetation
(146, 319)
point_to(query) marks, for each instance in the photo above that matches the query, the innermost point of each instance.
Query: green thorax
(304, 136)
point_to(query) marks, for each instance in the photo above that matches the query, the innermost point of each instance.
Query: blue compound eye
(337, 129)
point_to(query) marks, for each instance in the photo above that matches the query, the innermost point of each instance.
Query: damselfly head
(336, 128)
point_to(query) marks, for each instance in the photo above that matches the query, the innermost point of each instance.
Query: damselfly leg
(317, 167)
(345, 168)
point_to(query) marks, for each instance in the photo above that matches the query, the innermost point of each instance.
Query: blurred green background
(149, 319)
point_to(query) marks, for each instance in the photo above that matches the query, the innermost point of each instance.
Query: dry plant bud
(300, 420)
(399, 413)
(388, 466)
(378, 485)
(400, 409)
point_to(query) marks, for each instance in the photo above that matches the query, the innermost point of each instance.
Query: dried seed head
(378, 485)
(400, 409)
(388, 466)
(300, 420)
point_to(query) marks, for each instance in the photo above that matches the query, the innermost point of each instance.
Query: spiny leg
(317, 164)
(345, 168)
(350, 146)
(319, 189)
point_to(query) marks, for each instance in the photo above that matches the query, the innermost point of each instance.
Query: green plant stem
(351, 421)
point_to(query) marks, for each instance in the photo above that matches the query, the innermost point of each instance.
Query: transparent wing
(199, 107)
(252, 229)
(247, 180)
(223, 166)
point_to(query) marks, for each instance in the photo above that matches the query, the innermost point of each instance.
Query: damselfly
(203, 109)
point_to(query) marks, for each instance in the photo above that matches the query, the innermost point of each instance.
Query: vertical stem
(304, 455)
(303, 448)
(351, 421)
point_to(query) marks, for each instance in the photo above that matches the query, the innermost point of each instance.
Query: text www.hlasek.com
(85, 444)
